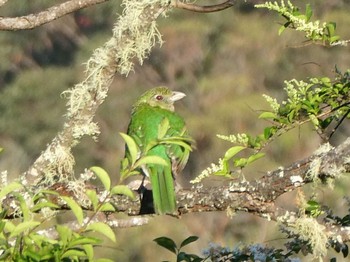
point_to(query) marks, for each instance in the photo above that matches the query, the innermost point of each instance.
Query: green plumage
(152, 111)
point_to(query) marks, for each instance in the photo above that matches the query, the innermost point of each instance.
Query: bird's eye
(159, 97)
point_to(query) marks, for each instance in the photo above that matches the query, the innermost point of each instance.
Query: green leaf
(65, 234)
(331, 26)
(269, 132)
(314, 208)
(9, 226)
(73, 253)
(233, 151)
(132, 147)
(76, 209)
(42, 193)
(163, 128)
(1, 149)
(41, 205)
(313, 203)
(334, 39)
(83, 241)
(103, 176)
(107, 207)
(167, 243)
(308, 12)
(122, 190)
(255, 142)
(102, 228)
(20, 228)
(255, 157)
(146, 160)
(33, 255)
(241, 162)
(283, 27)
(177, 140)
(89, 251)
(326, 122)
(24, 207)
(91, 194)
(267, 115)
(9, 188)
(188, 240)
(183, 256)
(2, 225)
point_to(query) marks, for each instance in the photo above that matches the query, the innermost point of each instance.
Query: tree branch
(255, 197)
(34, 20)
(203, 9)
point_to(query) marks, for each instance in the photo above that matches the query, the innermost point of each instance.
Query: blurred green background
(223, 61)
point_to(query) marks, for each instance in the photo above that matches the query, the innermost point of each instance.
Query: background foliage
(224, 62)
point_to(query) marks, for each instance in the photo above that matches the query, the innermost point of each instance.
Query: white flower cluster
(275, 106)
(239, 138)
(295, 90)
(214, 168)
(3, 178)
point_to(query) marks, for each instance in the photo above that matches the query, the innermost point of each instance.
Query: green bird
(159, 131)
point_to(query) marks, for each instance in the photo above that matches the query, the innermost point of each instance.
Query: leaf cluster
(170, 245)
(323, 102)
(319, 101)
(214, 252)
(301, 21)
(29, 238)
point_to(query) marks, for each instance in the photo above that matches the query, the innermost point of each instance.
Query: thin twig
(203, 9)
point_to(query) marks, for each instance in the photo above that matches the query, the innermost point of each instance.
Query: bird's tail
(163, 190)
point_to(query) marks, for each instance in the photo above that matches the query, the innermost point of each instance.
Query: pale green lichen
(88, 128)
(314, 168)
(324, 148)
(60, 161)
(310, 230)
(331, 170)
(306, 229)
(78, 187)
(48, 213)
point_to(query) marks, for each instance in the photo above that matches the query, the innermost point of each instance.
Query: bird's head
(161, 97)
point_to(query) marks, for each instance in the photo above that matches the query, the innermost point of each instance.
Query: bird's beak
(177, 96)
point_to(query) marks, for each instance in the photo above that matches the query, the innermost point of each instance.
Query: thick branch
(256, 197)
(34, 20)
